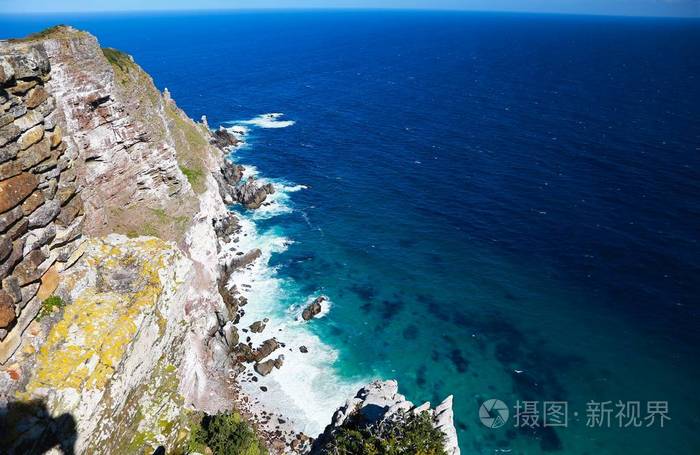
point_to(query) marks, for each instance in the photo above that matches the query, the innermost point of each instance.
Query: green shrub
(225, 434)
(407, 433)
(48, 305)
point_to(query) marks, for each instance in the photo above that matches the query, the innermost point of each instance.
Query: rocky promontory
(119, 321)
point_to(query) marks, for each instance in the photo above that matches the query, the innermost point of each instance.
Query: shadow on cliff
(28, 428)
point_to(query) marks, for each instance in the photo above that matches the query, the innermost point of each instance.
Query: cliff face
(109, 201)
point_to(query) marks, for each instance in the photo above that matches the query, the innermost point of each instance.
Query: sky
(687, 8)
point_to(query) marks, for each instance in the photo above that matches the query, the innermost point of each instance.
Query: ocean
(498, 206)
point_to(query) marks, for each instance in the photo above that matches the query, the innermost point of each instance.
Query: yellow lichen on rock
(85, 347)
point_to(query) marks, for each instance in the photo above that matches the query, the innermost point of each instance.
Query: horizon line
(348, 9)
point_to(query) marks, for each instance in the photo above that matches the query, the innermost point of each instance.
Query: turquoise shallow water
(498, 206)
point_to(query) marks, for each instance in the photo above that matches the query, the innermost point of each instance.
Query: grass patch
(118, 59)
(48, 306)
(193, 175)
(225, 434)
(121, 63)
(55, 32)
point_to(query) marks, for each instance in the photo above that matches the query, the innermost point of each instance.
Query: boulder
(257, 327)
(264, 368)
(265, 349)
(313, 309)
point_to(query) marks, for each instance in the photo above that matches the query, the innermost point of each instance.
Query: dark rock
(251, 195)
(263, 368)
(265, 349)
(255, 327)
(7, 219)
(303, 349)
(18, 229)
(222, 138)
(313, 309)
(11, 286)
(14, 190)
(242, 261)
(8, 152)
(14, 257)
(70, 211)
(7, 310)
(5, 247)
(32, 202)
(28, 271)
(244, 353)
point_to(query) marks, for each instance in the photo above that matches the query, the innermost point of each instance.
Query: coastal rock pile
(41, 209)
(250, 193)
(223, 139)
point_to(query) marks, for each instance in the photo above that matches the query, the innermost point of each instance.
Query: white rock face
(381, 399)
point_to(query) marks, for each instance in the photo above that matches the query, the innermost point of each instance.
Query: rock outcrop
(313, 309)
(379, 401)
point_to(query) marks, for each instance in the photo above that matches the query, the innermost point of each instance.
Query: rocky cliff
(117, 319)
(110, 255)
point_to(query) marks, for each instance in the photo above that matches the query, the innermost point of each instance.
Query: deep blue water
(486, 193)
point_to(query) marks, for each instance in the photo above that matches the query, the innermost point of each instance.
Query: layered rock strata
(41, 208)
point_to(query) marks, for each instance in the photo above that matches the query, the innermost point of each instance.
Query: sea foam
(307, 389)
(270, 120)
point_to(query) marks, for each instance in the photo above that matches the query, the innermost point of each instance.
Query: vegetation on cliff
(225, 434)
(403, 433)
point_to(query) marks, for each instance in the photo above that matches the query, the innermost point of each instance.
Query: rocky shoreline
(126, 209)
